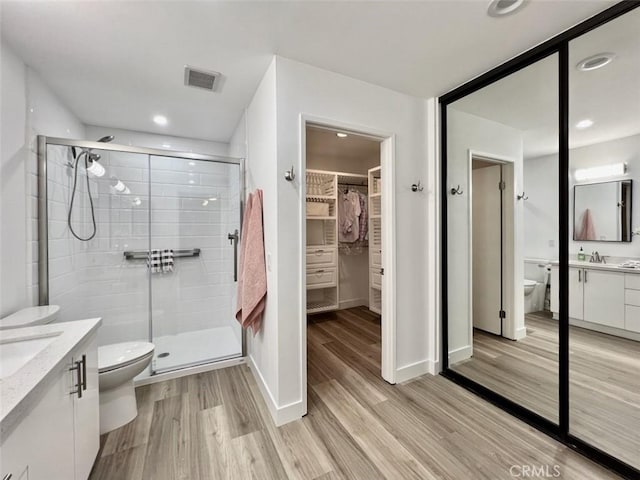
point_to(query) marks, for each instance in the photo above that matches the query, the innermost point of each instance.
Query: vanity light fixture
(603, 171)
(500, 8)
(205, 203)
(595, 61)
(582, 124)
(160, 120)
(341, 135)
(213, 199)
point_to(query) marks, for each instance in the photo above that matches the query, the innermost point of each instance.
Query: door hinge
(382, 271)
(502, 185)
(502, 314)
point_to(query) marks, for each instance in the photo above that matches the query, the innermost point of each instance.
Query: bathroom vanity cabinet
(601, 299)
(57, 435)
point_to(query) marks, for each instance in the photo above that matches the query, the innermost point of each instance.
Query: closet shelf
(375, 195)
(375, 216)
(328, 198)
(310, 217)
(316, 307)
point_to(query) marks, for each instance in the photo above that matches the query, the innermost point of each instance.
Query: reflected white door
(487, 250)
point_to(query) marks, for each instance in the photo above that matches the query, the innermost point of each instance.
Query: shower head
(106, 139)
(94, 157)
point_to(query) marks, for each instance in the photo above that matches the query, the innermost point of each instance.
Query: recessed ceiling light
(166, 145)
(192, 182)
(582, 124)
(192, 164)
(205, 203)
(500, 8)
(595, 61)
(160, 119)
(213, 199)
(341, 135)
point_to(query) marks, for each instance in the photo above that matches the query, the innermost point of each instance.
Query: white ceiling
(610, 96)
(118, 63)
(324, 142)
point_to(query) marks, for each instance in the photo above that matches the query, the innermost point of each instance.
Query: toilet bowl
(118, 364)
(529, 286)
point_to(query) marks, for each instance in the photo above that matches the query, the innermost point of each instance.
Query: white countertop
(611, 267)
(19, 390)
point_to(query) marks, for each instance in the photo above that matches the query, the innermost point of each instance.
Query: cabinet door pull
(78, 385)
(579, 276)
(585, 276)
(84, 371)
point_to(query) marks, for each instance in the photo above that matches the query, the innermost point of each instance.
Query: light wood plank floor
(604, 380)
(216, 425)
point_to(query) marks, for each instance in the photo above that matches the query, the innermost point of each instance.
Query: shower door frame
(43, 213)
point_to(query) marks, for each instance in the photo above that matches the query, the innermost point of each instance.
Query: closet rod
(353, 184)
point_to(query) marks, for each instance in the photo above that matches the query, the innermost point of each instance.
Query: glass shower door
(195, 209)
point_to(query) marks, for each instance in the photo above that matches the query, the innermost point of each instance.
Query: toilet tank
(536, 269)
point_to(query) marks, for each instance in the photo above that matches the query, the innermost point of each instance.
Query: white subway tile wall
(188, 204)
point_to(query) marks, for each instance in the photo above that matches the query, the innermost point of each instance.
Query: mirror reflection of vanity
(602, 211)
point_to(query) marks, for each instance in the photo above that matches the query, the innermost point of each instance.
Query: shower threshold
(191, 349)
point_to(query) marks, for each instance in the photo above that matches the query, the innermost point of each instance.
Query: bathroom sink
(17, 352)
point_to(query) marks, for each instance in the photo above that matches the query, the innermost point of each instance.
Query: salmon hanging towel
(252, 282)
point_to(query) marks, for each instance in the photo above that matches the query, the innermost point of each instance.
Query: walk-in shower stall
(103, 208)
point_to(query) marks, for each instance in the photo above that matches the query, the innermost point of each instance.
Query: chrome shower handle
(233, 238)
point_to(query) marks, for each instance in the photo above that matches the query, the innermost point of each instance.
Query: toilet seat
(529, 283)
(118, 355)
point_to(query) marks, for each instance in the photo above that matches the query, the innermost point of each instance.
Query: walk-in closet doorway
(356, 162)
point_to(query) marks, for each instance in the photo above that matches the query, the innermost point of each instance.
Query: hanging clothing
(363, 221)
(252, 281)
(348, 217)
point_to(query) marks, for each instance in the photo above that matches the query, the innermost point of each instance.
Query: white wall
(541, 210)
(469, 132)
(302, 89)
(13, 205)
(161, 142)
(29, 109)
(262, 172)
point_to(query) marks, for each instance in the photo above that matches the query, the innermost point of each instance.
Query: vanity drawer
(632, 280)
(632, 297)
(376, 258)
(321, 256)
(376, 278)
(321, 277)
(632, 318)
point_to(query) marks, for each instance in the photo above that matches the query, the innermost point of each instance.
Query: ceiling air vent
(201, 78)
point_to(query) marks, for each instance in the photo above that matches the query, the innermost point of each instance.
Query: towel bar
(143, 254)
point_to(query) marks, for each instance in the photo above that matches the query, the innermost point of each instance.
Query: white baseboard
(412, 371)
(356, 302)
(460, 354)
(435, 367)
(520, 333)
(183, 372)
(281, 415)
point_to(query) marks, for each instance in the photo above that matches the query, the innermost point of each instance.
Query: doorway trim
(387, 165)
(510, 251)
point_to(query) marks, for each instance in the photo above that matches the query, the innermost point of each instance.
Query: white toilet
(118, 364)
(536, 278)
